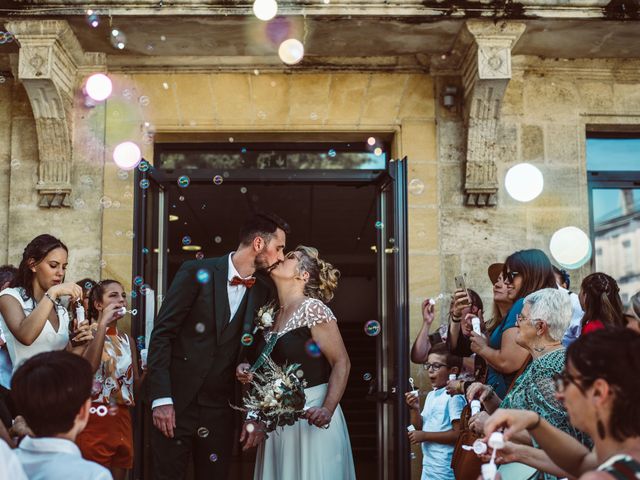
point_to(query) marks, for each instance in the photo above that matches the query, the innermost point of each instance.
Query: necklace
(542, 349)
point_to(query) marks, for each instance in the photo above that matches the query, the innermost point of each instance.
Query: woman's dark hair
(612, 354)
(49, 382)
(602, 300)
(262, 225)
(535, 268)
(33, 254)
(96, 294)
(564, 275)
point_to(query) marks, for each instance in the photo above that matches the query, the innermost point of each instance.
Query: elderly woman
(601, 391)
(540, 327)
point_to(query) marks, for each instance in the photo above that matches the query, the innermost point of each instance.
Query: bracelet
(55, 302)
(536, 425)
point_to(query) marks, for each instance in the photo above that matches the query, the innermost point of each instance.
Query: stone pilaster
(48, 62)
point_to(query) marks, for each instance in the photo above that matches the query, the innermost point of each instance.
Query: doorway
(354, 218)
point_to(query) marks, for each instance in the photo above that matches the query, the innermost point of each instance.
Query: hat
(494, 271)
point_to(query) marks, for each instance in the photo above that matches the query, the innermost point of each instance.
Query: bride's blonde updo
(323, 278)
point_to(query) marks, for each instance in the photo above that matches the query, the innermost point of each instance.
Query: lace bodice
(310, 313)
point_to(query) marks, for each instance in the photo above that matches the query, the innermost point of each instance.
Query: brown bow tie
(247, 282)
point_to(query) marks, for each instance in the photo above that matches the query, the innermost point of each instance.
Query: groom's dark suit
(193, 353)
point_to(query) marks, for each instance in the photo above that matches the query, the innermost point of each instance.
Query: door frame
(393, 447)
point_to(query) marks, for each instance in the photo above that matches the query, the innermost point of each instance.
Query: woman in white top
(31, 315)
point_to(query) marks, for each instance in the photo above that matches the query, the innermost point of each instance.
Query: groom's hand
(252, 434)
(164, 419)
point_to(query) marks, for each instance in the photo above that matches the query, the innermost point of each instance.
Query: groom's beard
(261, 263)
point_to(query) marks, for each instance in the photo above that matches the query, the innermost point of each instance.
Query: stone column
(48, 62)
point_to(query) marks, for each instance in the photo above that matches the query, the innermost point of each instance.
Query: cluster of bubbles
(118, 39)
(312, 348)
(372, 328)
(203, 275)
(246, 339)
(93, 19)
(100, 410)
(6, 37)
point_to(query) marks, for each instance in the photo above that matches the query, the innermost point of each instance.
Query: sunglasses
(510, 276)
(433, 366)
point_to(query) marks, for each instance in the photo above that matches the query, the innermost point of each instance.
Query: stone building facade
(520, 94)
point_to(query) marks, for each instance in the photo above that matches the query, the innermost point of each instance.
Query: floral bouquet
(276, 397)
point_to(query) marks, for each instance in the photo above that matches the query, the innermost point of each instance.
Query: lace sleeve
(316, 312)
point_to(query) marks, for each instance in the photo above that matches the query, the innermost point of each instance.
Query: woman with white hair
(545, 316)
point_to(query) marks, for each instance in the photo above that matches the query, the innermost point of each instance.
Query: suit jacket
(194, 349)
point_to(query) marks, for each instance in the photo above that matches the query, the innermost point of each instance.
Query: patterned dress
(534, 390)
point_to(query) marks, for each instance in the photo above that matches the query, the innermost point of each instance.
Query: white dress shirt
(10, 467)
(52, 458)
(235, 293)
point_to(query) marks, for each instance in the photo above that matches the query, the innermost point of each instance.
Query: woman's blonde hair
(323, 278)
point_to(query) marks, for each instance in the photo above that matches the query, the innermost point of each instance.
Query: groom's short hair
(262, 225)
(49, 390)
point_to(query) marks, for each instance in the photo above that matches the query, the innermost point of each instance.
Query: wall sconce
(449, 98)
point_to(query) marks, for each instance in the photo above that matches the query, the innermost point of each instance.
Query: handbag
(465, 463)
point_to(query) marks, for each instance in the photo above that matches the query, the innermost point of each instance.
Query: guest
(600, 300)
(563, 280)
(438, 426)
(57, 382)
(602, 399)
(524, 272)
(632, 314)
(423, 342)
(108, 439)
(7, 274)
(31, 313)
(544, 318)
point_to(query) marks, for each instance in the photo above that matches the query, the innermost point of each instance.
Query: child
(438, 427)
(108, 437)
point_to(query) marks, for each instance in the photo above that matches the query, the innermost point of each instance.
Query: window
(613, 165)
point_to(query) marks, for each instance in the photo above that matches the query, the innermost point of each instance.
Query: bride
(316, 447)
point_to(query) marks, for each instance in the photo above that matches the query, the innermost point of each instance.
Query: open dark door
(393, 363)
(147, 288)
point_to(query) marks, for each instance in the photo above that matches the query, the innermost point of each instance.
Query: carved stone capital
(48, 62)
(482, 57)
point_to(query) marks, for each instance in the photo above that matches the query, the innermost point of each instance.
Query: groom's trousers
(206, 433)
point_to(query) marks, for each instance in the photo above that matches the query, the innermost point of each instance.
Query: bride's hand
(318, 416)
(243, 375)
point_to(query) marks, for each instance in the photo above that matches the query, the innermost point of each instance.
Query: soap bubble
(332, 153)
(371, 141)
(379, 225)
(213, 457)
(103, 263)
(203, 432)
(123, 174)
(377, 151)
(250, 427)
(203, 275)
(218, 239)
(126, 93)
(145, 250)
(231, 139)
(181, 198)
(199, 255)
(183, 181)
(299, 373)
(243, 190)
(134, 294)
(79, 203)
(116, 204)
(367, 377)
(200, 328)
(143, 100)
(144, 289)
(130, 234)
(143, 166)
(118, 233)
(106, 202)
(372, 328)
(217, 180)
(186, 240)
(312, 348)
(88, 285)
(416, 186)
(247, 339)
(138, 280)
(144, 183)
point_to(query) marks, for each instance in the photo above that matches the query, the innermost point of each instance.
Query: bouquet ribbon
(266, 352)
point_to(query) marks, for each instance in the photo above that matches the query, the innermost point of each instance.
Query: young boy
(52, 391)
(438, 427)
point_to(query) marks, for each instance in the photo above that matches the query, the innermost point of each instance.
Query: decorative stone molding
(48, 62)
(482, 57)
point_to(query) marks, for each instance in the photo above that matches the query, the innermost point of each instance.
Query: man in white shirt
(52, 391)
(195, 348)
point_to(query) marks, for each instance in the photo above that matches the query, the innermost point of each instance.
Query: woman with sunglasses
(544, 318)
(601, 392)
(525, 272)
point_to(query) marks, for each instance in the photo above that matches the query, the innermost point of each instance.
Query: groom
(195, 347)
